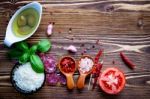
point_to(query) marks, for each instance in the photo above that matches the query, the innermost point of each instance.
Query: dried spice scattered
(82, 53)
(93, 46)
(113, 62)
(82, 45)
(53, 23)
(85, 51)
(127, 61)
(70, 30)
(59, 32)
(71, 38)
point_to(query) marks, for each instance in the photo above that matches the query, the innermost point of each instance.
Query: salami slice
(49, 62)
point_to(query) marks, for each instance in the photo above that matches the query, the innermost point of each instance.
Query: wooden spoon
(69, 75)
(81, 79)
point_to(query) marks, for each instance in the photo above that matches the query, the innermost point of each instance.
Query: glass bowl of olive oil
(23, 23)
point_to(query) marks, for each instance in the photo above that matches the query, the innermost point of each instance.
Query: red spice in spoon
(67, 65)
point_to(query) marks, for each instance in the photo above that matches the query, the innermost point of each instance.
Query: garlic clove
(49, 29)
(71, 48)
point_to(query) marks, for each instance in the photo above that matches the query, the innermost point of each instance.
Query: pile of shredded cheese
(85, 64)
(27, 79)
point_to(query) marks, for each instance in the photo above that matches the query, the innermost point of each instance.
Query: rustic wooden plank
(118, 24)
(102, 5)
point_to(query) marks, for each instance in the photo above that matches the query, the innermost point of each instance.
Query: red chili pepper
(97, 68)
(98, 56)
(127, 61)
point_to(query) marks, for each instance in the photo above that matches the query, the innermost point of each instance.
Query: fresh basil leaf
(44, 45)
(37, 64)
(33, 49)
(14, 53)
(23, 46)
(24, 58)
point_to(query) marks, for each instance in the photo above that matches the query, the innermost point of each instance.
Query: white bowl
(10, 37)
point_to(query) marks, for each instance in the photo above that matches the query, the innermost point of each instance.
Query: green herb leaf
(33, 49)
(22, 46)
(14, 53)
(36, 63)
(24, 58)
(44, 45)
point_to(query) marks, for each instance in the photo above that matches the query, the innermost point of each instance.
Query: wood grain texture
(119, 25)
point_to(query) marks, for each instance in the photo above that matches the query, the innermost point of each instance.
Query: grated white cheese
(27, 79)
(85, 64)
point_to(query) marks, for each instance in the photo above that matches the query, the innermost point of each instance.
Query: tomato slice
(112, 80)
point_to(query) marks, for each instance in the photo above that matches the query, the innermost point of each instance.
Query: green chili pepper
(37, 64)
(44, 45)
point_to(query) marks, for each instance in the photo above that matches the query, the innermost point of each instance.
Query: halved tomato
(112, 80)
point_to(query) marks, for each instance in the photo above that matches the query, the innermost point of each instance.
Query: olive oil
(25, 22)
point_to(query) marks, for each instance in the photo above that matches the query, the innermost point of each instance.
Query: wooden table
(118, 25)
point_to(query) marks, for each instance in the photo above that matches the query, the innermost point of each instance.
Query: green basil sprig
(25, 54)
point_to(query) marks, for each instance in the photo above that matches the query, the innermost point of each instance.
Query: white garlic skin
(71, 48)
(49, 29)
